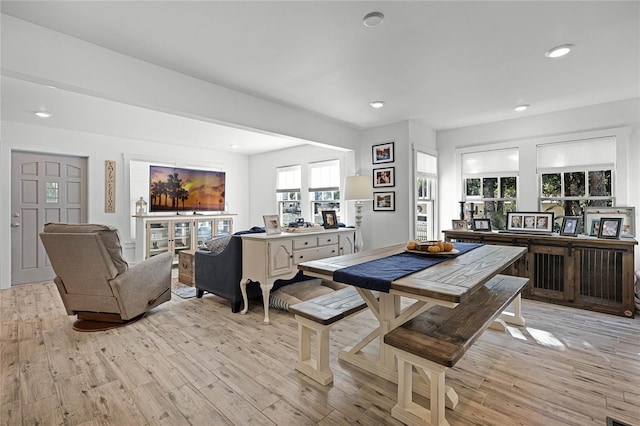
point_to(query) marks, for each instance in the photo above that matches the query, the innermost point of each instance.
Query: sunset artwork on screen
(175, 189)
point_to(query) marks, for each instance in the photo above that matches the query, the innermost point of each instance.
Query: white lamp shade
(358, 188)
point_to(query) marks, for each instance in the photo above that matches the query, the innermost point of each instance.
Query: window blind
(585, 154)
(288, 179)
(427, 163)
(499, 162)
(324, 176)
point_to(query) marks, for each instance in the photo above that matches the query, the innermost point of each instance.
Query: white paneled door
(44, 188)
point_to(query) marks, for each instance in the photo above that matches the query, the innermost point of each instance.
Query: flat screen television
(174, 189)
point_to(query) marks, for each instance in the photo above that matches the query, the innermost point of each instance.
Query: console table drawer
(327, 240)
(315, 253)
(304, 243)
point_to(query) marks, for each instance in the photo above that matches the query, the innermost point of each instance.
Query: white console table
(267, 258)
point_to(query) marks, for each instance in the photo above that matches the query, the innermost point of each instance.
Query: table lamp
(358, 188)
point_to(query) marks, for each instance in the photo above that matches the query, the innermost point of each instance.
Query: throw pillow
(218, 244)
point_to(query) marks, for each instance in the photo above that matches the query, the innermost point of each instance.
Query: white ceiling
(448, 63)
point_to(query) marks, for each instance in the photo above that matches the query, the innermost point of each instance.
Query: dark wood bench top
(331, 307)
(443, 335)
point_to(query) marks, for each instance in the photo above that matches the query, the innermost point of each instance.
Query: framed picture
(459, 225)
(382, 153)
(592, 215)
(610, 227)
(329, 219)
(272, 224)
(530, 221)
(570, 226)
(482, 225)
(384, 201)
(384, 177)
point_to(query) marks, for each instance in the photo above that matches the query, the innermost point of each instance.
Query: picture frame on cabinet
(459, 225)
(592, 216)
(482, 225)
(384, 177)
(384, 201)
(570, 226)
(383, 153)
(272, 224)
(610, 227)
(329, 219)
(533, 222)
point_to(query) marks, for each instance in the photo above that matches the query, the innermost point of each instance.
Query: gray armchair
(96, 282)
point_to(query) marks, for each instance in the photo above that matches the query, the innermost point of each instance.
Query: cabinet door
(280, 255)
(223, 226)
(182, 237)
(158, 240)
(550, 274)
(345, 241)
(204, 231)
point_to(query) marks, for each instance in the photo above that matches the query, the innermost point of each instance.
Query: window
(426, 184)
(288, 183)
(491, 184)
(576, 174)
(324, 188)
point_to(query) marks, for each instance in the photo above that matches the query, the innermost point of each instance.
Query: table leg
(243, 289)
(266, 290)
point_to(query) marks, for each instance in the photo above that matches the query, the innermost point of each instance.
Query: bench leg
(516, 317)
(410, 412)
(317, 368)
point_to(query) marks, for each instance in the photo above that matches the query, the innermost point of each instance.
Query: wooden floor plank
(192, 361)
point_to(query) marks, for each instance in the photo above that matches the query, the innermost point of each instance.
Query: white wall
(526, 132)
(97, 149)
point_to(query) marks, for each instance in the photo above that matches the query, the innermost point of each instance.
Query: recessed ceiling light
(373, 19)
(522, 107)
(377, 104)
(558, 51)
(43, 114)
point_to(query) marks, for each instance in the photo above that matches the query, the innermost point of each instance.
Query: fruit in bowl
(430, 246)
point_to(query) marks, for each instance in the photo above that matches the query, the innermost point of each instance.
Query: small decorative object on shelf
(462, 203)
(141, 207)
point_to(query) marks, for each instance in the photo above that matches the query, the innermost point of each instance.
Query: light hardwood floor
(191, 361)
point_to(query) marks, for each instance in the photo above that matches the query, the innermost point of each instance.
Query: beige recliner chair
(96, 282)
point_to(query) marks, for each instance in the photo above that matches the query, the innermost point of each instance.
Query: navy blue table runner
(378, 274)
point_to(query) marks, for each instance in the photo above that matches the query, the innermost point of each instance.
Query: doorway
(44, 188)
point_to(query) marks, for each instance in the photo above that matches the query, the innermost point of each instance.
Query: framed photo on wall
(272, 224)
(382, 153)
(329, 219)
(384, 177)
(384, 201)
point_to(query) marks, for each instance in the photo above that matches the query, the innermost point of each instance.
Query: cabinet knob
(306, 243)
(301, 257)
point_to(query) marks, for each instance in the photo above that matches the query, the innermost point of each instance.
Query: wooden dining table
(447, 283)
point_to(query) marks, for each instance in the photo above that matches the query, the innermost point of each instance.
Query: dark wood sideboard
(583, 272)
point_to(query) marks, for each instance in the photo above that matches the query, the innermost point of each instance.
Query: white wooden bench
(319, 315)
(437, 338)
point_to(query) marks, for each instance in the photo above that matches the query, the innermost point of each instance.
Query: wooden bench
(436, 339)
(319, 315)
